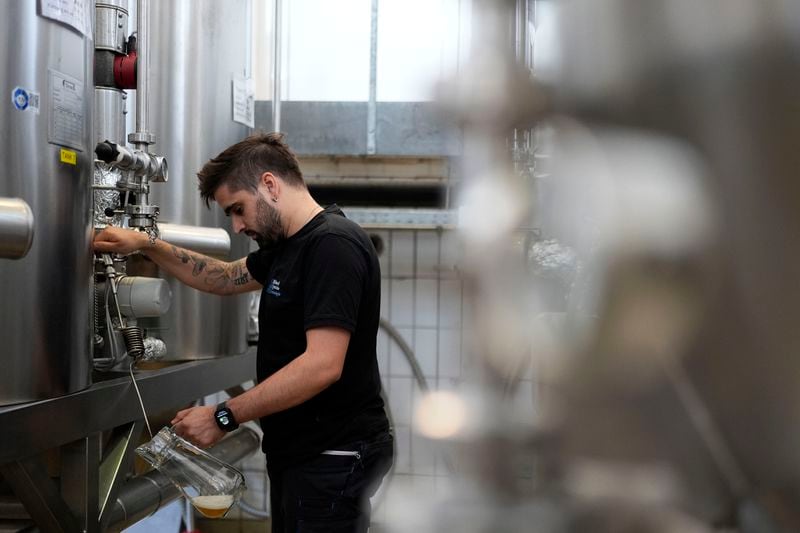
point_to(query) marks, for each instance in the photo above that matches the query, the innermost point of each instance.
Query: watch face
(225, 419)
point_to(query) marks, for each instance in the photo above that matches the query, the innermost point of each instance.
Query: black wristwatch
(224, 417)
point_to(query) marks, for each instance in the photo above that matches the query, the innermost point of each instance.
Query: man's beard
(270, 228)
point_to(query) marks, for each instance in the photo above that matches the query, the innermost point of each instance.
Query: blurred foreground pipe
(16, 228)
(210, 241)
(144, 495)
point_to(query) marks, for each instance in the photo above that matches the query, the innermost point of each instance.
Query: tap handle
(107, 151)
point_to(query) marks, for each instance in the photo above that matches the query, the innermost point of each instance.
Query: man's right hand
(120, 241)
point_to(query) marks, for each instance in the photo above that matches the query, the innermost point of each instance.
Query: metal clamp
(141, 138)
(142, 210)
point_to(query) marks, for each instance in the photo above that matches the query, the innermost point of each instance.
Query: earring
(274, 199)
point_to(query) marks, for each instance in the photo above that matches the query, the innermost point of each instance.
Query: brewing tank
(197, 47)
(47, 88)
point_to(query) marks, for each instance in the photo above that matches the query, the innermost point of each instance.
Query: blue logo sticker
(20, 98)
(274, 287)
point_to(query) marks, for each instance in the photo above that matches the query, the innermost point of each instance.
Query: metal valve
(140, 163)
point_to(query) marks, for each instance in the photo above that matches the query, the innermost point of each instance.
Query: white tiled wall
(422, 297)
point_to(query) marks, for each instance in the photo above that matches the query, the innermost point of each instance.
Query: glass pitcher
(210, 484)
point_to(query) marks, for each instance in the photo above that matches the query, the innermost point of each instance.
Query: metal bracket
(40, 495)
(115, 465)
(79, 462)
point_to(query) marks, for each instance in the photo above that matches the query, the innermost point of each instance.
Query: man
(326, 436)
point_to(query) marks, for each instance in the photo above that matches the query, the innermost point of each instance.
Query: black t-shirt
(326, 274)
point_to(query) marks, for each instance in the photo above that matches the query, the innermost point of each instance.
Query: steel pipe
(144, 495)
(143, 59)
(276, 66)
(372, 103)
(16, 228)
(142, 137)
(111, 25)
(210, 241)
(109, 119)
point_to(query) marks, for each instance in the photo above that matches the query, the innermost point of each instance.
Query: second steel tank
(197, 48)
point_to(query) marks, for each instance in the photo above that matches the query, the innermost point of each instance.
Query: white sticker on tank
(244, 101)
(25, 100)
(73, 13)
(66, 111)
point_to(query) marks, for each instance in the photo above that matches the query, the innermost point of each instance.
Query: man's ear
(271, 184)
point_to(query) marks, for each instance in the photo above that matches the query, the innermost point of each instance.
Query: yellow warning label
(68, 156)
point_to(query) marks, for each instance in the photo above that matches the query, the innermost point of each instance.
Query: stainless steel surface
(111, 403)
(91, 499)
(191, 111)
(140, 296)
(277, 55)
(372, 103)
(340, 128)
(16, 228)
(38, 492)
(143, 137)
(111, 25)
(115, 4)
(79, 480)
(109, 118)
(148, 493)
(12, 509)
(145, 494)
(375, 218)
(119, 453)
(215, 242)
(45, 331)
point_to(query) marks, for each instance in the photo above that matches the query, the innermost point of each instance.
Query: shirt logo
(274, 287)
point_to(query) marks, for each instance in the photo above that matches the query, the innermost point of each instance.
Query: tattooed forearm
(217, 276)
(240, 274)
(223, 275)
(220, 276)
(199, 263)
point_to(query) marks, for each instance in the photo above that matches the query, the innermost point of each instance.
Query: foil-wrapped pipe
(105, 195)
(154, 349)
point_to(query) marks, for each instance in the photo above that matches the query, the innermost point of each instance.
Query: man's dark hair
(241, 165)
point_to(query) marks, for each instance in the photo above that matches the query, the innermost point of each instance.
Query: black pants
(330, 493)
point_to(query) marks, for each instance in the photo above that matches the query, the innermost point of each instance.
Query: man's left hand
(197, 425)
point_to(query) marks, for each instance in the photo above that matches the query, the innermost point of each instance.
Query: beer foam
(220, 502)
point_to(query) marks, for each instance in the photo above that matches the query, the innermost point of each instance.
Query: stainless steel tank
(47, 89)
(197, 48)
